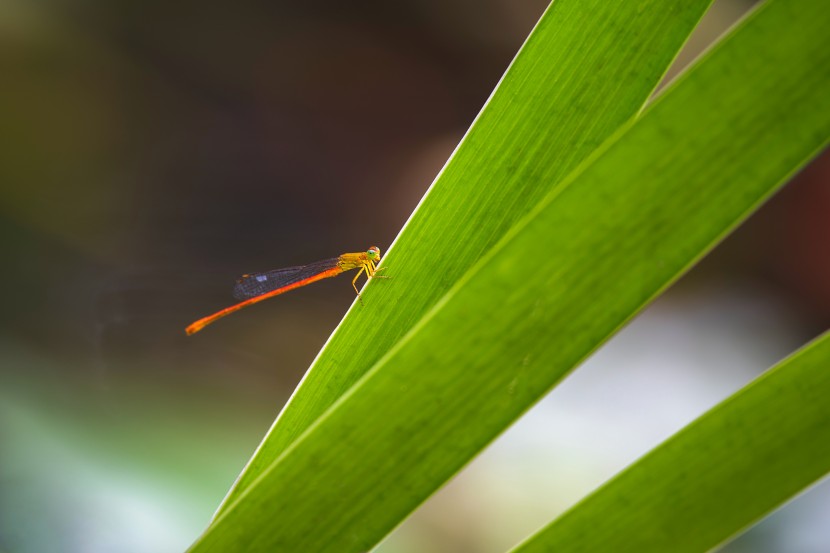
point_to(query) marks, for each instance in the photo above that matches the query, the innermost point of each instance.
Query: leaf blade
(636, 215)
(707, 476)
(590, 89)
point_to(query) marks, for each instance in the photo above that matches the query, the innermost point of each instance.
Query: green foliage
(725, 470)
(562, 96)
(534, 245)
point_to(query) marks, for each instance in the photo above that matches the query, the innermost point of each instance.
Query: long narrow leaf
(588, 66)
(716, 476)
(662, 192)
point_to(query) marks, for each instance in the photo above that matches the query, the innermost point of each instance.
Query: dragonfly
(256, 287)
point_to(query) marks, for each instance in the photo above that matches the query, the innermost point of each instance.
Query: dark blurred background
(150, 152)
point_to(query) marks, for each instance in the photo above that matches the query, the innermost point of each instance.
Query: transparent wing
(256, 284)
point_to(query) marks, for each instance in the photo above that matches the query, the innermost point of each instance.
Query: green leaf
(618, 230)
(719, 474)
(588, 66)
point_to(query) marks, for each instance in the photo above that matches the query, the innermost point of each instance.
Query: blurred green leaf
(589, 255)
(588, 66)
(719, 474)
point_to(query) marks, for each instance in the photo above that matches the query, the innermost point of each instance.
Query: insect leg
(354, 281)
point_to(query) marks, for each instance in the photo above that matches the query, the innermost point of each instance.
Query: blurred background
(153, 151)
